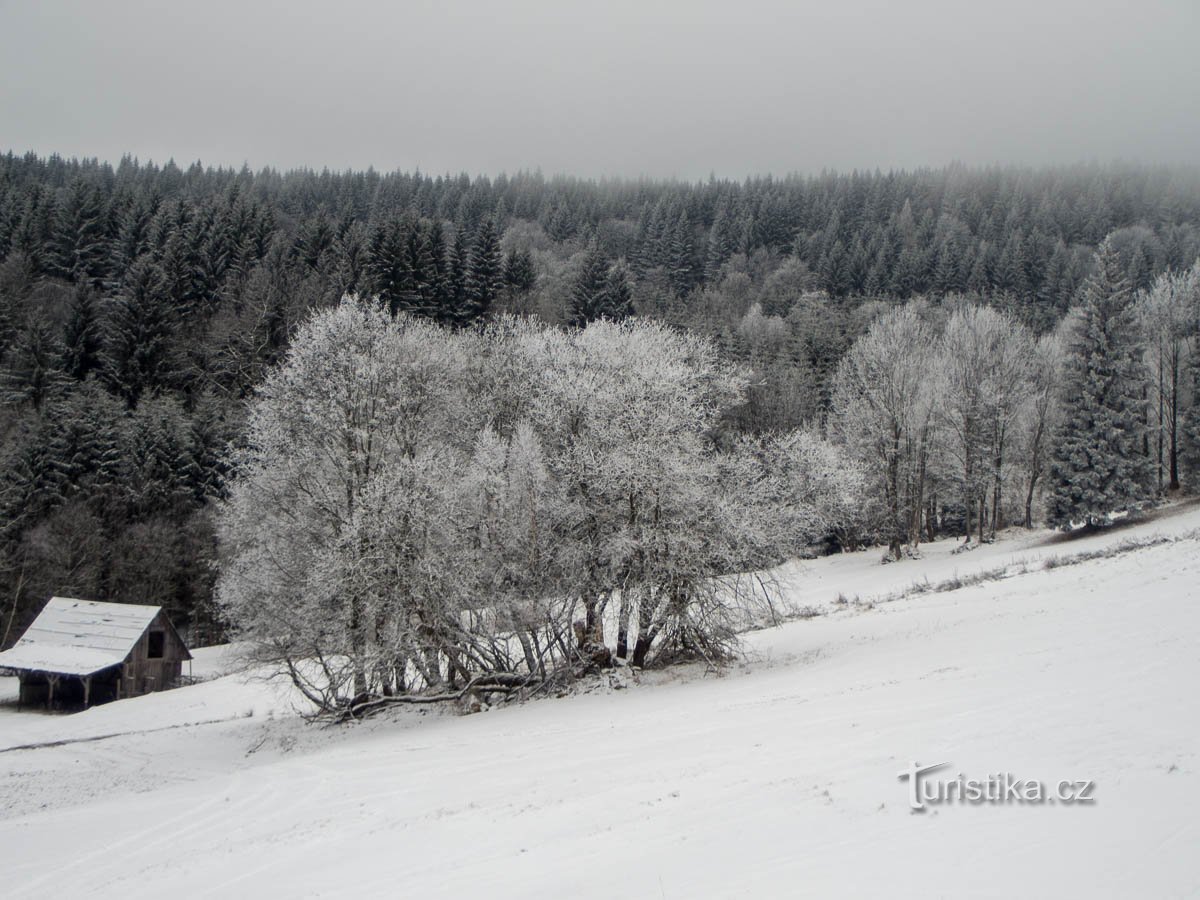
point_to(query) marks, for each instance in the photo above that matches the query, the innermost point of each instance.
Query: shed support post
(52, 679)
(87, 690)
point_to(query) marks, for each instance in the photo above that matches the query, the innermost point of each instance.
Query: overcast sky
(609, 87)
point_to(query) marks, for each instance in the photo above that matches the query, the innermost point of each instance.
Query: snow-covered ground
(777, 778)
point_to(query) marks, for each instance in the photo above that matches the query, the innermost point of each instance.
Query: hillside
(777, 777)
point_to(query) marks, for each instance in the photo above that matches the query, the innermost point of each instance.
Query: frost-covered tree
(421, 507)
(359, 399)
(1168, 313)
(626, 410)
(1099, 464)
(881, 412)
(1189, 453)
(1039, 415)
(824, 491)
(985, 366)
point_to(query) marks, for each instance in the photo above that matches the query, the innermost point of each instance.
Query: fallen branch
(499, 682)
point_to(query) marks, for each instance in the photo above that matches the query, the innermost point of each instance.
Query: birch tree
(1168, 313)
(1040, 415)
(880, 410)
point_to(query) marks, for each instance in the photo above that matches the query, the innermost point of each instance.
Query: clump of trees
(419, 508)
(962, 418)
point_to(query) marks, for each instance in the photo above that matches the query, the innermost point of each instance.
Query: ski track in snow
(777, 778)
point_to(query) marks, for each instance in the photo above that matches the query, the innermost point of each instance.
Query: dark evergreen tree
(162, 466)
(133, 234)
(32, 370)
(86, 448)
(1099, 464)
(433, 249)
(520, 276)
(82, 338)
(617, 302)
(589, 291)
(458, 258)
(80, 238)
(720, 245)
(681, 255)
(140, 354)
(484, 274)
(388, 272)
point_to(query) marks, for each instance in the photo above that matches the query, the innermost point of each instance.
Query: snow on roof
(79, 637)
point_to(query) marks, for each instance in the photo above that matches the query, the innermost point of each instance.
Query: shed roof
(79, 637)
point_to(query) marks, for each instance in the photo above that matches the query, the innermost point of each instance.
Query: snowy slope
(776, 779)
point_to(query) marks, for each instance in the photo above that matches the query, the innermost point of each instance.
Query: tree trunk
(358, 644)
(997, 487)
(919, 499)
(623, 627)
(526, 648)
(1161, 419)
(16, 601)
(894, 527)
(1173, 422)
(641, 647)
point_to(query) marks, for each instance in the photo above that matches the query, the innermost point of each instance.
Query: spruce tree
(79, 240)
(484, 274)
(520, 276)
(387, 268)
(32, 369)
(587, 300)
(454, 289)
(681, 269)
(618, 293)
(1099, 465)
(424, 272)
(141, 355)
(433, 249)
(82, 338)
(720, 245)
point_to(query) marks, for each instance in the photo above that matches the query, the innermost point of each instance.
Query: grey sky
(623, 87)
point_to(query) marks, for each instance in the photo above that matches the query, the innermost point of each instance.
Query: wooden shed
(80, 652)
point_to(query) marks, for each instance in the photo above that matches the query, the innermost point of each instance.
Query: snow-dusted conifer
(1099, 464)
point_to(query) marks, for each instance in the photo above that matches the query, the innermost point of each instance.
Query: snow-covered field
(777, 778)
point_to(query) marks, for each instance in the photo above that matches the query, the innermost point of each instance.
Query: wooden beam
(87, 690)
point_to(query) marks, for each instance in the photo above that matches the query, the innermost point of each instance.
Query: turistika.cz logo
(1002, 788)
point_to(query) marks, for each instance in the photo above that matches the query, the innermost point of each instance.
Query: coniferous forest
(142, 305)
